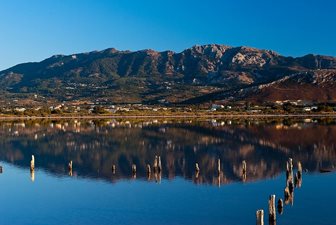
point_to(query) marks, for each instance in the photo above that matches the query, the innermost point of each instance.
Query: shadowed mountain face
(317, 86)
(201, 71)
(94, 146)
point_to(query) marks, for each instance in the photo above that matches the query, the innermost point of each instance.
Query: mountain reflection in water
(95, 145)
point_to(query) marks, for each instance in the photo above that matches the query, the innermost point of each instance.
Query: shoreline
(172, 116)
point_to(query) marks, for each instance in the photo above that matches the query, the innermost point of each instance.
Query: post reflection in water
(288, 194)
(213, 152)
(32, 175)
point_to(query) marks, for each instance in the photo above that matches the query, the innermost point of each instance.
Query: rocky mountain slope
(198, 74)
(317, 86)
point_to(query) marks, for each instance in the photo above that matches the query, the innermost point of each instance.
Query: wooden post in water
(70, 168)
(244, 171)
(0, 169)
(149, 172)
(32, 175)
(298, 181)
(299, 175)
(271, 208)
(134, 170)
(244, 177)
(290, 186)
(32, 163)
(280, 206)
(260, 217)
(197, 169)
(287, 193)
(219, 172)
(289, 168)
(244, 167)
(149, 169)
(290, 161)
(157, 177)
(155, 164)
(289, 197)
(113, 169)
(289, 176)
(70, 165)
(299, 172)
(159, 165)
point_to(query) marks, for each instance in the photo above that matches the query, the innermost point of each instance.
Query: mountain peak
(149, 76)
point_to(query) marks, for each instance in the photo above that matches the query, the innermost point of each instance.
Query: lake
(102, 188)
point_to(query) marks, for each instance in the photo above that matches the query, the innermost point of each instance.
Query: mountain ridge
(157, 77)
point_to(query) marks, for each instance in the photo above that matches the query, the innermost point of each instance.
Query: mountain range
(199, 74)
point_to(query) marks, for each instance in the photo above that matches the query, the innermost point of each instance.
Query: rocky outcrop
(153, 75)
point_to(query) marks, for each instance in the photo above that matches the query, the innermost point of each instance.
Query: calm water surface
(92, 194)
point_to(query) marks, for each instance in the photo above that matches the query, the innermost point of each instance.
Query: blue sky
(32, 30)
